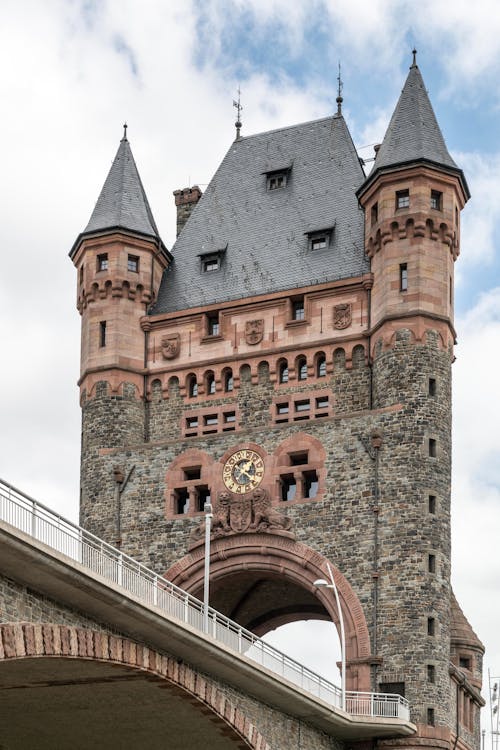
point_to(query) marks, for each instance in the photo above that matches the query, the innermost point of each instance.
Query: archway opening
(313, 643)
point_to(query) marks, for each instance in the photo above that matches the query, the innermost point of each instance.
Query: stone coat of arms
(254, 331)
(342, 316)
(171, 346)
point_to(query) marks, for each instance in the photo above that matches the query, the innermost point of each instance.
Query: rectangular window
(432, 448)
(322, 402)
(431, 626)
(311, 484)
(102, 333)
(403, 199)
(202, 497)
(181, 501)
(210, 264)
(464, 662)
(210, 419)
(431, 563)
(319, 243)
(298, 459)
(192, 424)
(213, 325)
(432, 386)
(193, 472)
(230, 416)
(374, 213)
(436, 200)
(298, 311)
(403, 277)
(302, 405)
(430, 717)
(432, 503)
(133, 263)
(282, 408)
(431, 673)
(276, 181)
(288, 487)
(102, 262)
(396, 688)
(451, 290)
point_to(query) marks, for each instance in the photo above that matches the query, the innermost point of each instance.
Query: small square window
(230, 416)
(403, 277)
(436, 200)
(403, 199)
(102, 262)
(298, 459)
(276, 181)
(282, 408)
(464, 662)
(192, 423)
(322, 402)
(210, 264)
(193, 472)
(210, 419)
(133, 263)
(298, 310)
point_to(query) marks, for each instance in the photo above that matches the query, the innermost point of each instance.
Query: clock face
(243, 471)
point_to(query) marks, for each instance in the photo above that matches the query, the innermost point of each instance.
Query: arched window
(301, 368)
(192, 388)
(228, 381)
(283, 371)
(321, 366)
(210, 382)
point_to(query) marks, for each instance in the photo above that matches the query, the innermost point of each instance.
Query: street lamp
(321, 583)
(206, 577)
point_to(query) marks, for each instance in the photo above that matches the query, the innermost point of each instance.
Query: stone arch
(291, 562)
(35, 641)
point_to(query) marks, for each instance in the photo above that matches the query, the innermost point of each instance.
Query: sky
(71, 73)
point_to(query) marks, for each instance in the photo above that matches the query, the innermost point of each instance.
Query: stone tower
(291, 362)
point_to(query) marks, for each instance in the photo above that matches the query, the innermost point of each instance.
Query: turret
(120, 259)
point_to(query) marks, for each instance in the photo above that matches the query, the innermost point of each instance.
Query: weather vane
(239, 109)
(339, 92)
(125, 126)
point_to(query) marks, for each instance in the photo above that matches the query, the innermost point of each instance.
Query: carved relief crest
(235, 514)
(171, 345)
(254, 331)
(342, 316)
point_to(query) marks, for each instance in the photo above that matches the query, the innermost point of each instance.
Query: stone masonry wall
(342, 524)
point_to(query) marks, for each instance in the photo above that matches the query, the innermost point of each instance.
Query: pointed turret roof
(122, 203)
(413, 135)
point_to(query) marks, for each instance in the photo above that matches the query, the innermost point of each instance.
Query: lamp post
(321, 583)
(206, 577)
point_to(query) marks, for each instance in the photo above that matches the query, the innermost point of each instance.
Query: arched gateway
(263, 581)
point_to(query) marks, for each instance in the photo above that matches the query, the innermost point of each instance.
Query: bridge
(114, 631)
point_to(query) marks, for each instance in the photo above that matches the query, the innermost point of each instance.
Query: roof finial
(339, 94)
(414, 53)
(125, 126)
(239, 109)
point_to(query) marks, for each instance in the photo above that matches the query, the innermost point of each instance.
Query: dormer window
(320, 239)
(277, 178)
(212, 261)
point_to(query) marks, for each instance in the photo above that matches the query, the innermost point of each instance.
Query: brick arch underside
(282, 558)
(28, 641)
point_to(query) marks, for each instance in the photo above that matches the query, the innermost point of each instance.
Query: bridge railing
(35, 519)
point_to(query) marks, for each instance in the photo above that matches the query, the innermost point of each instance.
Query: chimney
(185, 200)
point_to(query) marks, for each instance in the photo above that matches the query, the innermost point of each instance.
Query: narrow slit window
(288, 487)
(432, 504)
(403, 277)
(431, 673)
(374, 213)
(210, 383)
(182, 501)
(302, 369)
(431, 626)
(432, 386)
(228, 381)
(311, 484)
(102, 333)
(192, 387)
(321, 367)
(283, 372)
(432, 448)
(81, 274)
(431, 563)
(430, 717)
(202, 497)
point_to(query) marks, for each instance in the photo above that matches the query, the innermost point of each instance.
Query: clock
(243, 471)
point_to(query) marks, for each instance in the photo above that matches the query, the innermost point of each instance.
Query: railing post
(120, 569)
(186, 608)
(155, 591)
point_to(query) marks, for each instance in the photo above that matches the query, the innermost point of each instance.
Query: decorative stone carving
(342, 316)
(234, 514)
(254, 331)
(171, 346)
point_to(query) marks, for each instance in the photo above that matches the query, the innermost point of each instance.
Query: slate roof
(264, 232)
(122, 203)
(413, 134)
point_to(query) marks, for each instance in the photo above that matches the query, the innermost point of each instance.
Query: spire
(339, 94)
(413, 135)
(413, 132)
(122, 203)
(239, 109)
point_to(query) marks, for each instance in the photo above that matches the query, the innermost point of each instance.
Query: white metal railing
(33, 518)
